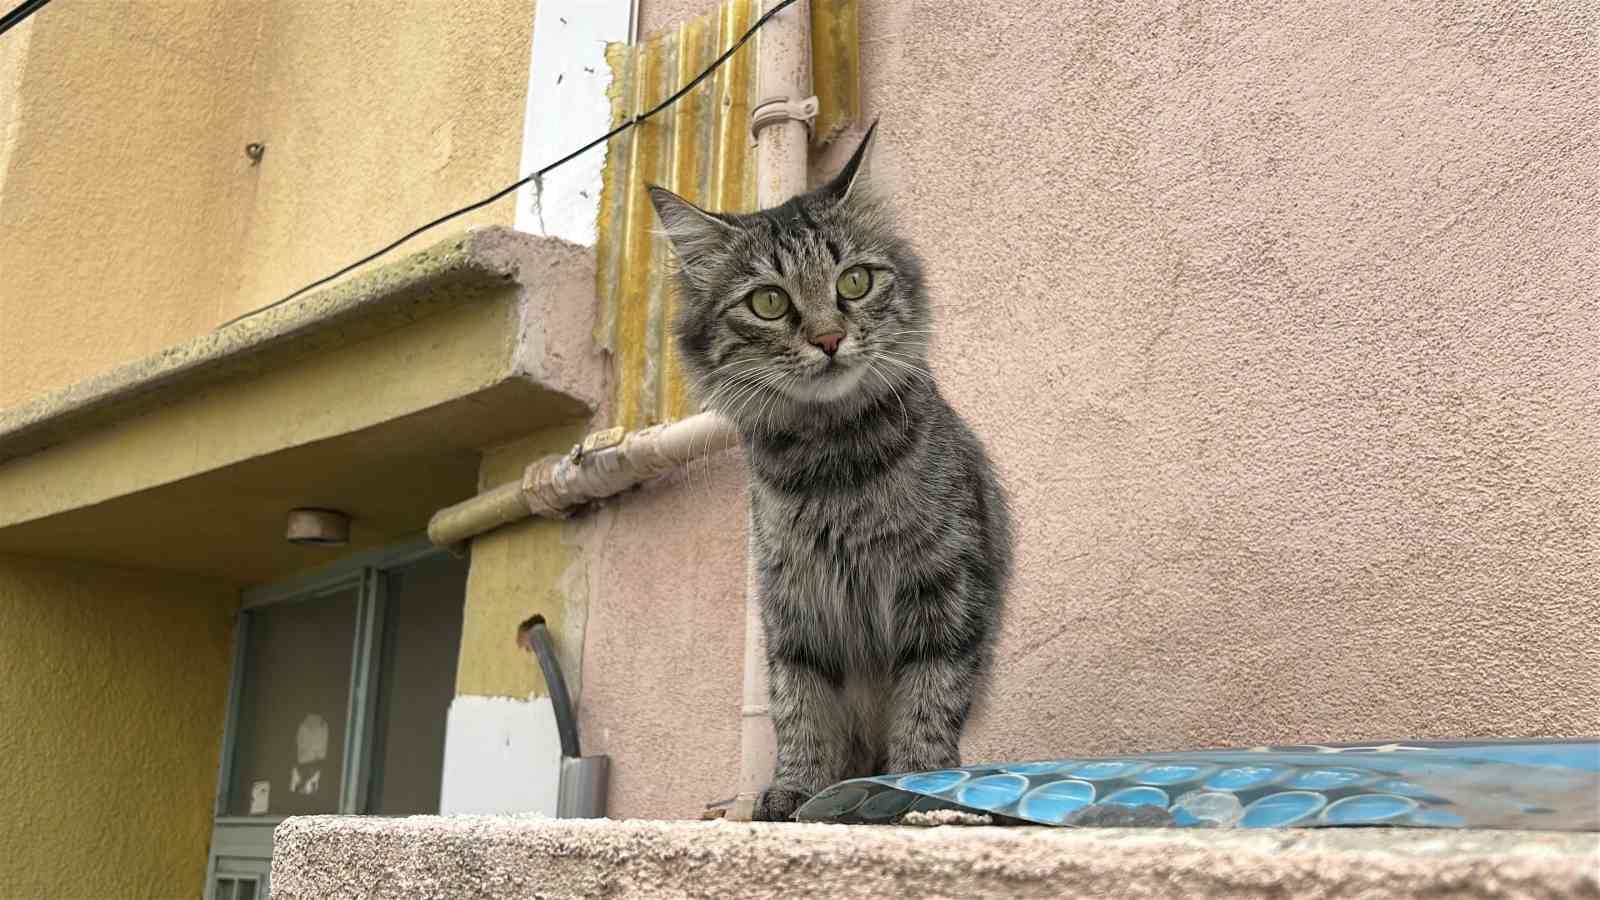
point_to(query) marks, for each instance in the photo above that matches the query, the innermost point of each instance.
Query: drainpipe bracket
(781, 109)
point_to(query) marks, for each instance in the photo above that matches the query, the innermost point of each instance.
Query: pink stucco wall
(1282, 321)
(664, 643)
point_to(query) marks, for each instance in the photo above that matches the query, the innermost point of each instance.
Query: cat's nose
(828, 343)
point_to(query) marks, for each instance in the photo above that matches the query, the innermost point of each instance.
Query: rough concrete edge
(550, 349)
(462, 856)
(458, 269)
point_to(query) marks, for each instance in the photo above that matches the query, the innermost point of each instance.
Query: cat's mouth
(833, 379)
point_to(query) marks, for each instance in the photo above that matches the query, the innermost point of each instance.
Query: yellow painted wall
(377, 115)
(534, 566)
(133, 218)
(375, 381)
(112, 693)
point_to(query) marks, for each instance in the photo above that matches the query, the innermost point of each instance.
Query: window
(290, 712)
(342, 682)
(421, 637)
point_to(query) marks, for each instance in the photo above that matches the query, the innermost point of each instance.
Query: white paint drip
(500, 756)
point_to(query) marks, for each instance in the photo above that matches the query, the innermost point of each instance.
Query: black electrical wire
(635, 120)
(535, 635)
(25, 9)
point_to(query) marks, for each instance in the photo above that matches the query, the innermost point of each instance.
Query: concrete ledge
(495, 857)
(375, 396)
(455, 270)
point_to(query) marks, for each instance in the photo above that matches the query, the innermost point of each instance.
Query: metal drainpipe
(783, 136)
(606, 463)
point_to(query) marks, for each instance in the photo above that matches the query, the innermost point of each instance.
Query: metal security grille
(237, 887)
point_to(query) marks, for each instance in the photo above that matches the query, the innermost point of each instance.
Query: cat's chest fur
(833, 562)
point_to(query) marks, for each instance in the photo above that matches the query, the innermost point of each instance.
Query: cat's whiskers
(725, 394)
(765, 411)
(719, 392)
(718, 398)
(897, 338)
(901, 353)
(917, 356)
(730, 404)
(767, 398)
(751, 391)
(901, 364)
(749, 364)
(731, 397)
(904, 413)
(699, 468)
(890, 341)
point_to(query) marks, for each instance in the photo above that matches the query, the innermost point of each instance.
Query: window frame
(365, 571)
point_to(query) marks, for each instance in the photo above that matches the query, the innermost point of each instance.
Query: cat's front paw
(777, 805)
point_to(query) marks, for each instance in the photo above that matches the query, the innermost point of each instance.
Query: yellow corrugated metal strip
(700, 148)
(692, 116)
(835, 67)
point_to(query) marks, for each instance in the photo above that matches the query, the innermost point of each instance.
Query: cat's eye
(769, 302)
(855, 282)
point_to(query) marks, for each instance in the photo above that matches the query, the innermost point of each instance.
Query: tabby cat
(880, 534)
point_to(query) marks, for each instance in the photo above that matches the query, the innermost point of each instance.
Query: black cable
(534, 635)
(25, 9)
(635, 120)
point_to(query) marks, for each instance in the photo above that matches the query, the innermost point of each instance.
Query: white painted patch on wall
(500, 756)
(567, 108)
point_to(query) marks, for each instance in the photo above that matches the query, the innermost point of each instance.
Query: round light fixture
(318, 527)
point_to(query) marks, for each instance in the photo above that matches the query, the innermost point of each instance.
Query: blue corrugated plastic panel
(1537, 784)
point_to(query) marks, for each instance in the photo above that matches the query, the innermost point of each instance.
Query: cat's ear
(845, 182)
(691, 229)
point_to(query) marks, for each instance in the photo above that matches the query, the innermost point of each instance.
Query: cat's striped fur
(881, 538)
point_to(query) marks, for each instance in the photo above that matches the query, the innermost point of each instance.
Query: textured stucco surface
(129, 121)
(327, 857)
(112, 687)
(125, 124)
(664, 645)
(534, 566)
(426, 117)
(1282, 322)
